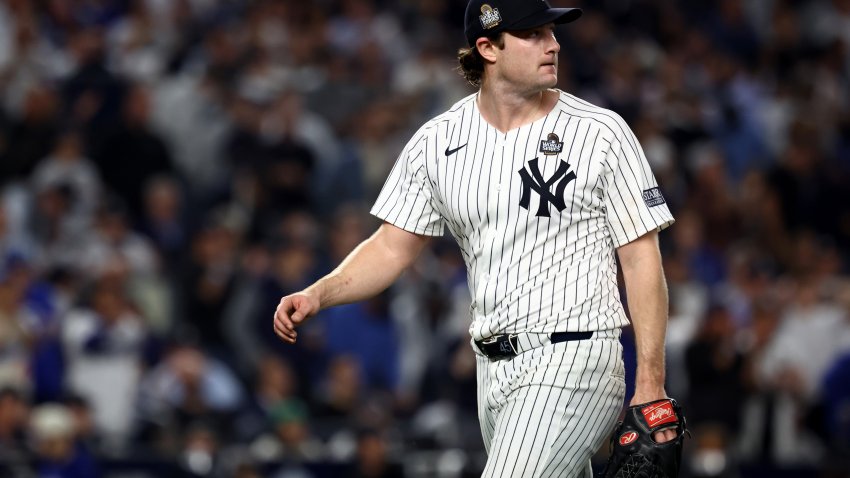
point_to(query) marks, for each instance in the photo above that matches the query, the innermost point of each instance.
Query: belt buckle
(506, 343)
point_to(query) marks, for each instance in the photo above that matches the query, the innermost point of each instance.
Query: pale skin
(515, 91)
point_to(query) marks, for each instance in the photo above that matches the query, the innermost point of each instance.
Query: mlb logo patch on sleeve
(653, 197)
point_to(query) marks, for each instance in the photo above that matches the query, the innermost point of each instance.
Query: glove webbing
(639, 466)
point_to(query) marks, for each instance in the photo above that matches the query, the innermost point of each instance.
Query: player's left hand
(664, 435)
(646, 396)
(636, 451)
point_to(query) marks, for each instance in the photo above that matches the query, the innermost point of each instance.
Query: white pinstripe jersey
(537, 211)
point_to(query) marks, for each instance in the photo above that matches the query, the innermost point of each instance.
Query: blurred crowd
(170, 168)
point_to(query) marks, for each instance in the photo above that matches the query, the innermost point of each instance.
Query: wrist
(650, 378)
(647, 393)
(314, 292)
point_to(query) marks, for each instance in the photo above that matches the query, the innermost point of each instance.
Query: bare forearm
(648, 306)
(646, 291)
(368, 270)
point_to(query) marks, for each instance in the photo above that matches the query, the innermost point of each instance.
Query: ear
(487, 49)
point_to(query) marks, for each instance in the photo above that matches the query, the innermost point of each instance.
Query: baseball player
(540, 189)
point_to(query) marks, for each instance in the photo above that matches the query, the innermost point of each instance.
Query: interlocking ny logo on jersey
(533, 180)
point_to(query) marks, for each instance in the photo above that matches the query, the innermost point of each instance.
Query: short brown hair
(471, 64)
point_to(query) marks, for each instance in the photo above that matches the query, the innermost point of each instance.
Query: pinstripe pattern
(546, 412)
(528, 273)
(535, 268)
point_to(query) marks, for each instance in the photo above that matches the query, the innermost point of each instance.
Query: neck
(505, 109)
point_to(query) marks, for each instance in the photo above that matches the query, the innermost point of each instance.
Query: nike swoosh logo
(450, 152)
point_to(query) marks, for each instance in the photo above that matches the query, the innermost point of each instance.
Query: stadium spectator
(30, 135)
(104, 343)
(131, 153)
(207, 282)
(58, 453)
(165, 220)
(66, 165)
(14, 417)
(187, 387)
(716, 365)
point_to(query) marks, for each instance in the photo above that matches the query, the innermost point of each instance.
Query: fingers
(290, 313)
(284, 326)
(286, 335)
(662, 436)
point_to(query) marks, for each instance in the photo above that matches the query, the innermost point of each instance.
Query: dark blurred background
(170, 168)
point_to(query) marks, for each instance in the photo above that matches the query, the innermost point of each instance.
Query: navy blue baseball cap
(489, 17)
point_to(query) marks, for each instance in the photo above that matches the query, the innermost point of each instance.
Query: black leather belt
(506, 345)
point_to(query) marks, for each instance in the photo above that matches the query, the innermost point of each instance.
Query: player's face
(529, 59)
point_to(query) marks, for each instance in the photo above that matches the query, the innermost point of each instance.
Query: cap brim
(558, 16)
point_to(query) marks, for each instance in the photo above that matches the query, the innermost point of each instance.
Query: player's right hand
(291, 312)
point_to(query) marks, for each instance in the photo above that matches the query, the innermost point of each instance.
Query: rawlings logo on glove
(634, 451)
(659, 413)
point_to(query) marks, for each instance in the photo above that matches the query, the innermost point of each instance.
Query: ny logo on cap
(490, 17)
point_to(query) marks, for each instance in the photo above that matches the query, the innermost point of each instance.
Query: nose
(553, 46)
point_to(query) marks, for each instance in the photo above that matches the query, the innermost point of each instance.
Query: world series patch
(653, 197)
(490, 17)
(551, 146)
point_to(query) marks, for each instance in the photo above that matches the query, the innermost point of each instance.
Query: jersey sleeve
(406, 200)
(634, 202)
